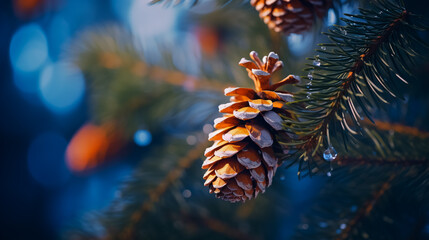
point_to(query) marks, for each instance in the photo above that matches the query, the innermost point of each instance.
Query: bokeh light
(27, 7)
(46, 160)
(300, 44)
(142, 18)
(87, 148)
(61, 87)
(332, 18)
(191, 140)
(142, 137)
(207, 128)
(28, 48)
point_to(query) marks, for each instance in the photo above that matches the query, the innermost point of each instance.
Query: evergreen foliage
(360, 70)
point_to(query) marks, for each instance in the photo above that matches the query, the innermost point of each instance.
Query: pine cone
(242, 161)
(290, 16)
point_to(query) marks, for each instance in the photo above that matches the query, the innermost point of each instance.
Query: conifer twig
(399, 128)
(156, 193)
(367, 208)
(357, 71)
(351, 78)
(377, 161)
(220, 227)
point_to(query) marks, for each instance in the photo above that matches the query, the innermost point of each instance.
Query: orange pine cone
(242, 161)
(290, 16)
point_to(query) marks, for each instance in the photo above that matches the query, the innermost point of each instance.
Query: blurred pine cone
(290, 16)
(242, 161)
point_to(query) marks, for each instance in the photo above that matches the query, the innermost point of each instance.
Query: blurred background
(62, 153)
(44, 103)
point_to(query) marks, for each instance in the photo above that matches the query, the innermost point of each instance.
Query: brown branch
(356, 69)
(367, 208)
(399, 128)
(139, 68)
(156, 193)
(178, 78)
(376, 161)
(218, 226)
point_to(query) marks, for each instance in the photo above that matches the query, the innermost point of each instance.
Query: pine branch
(155, 194)
(366, 209)
(399, 128)
(368, 202)
(358, 71)
(114, 48)
(386, 144)
(218, 226)
(153, 199)
(348, 161)
(128, 91)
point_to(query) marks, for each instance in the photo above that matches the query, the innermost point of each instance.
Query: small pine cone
(290, 16)
(242, 161)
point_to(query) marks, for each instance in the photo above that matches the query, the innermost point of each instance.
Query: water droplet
(316, 63)
(330, 154)
(343, 226)
(344, 31)
(329, 174)
(308, 87)
(323, 47)
(310, 75)
(187, 193)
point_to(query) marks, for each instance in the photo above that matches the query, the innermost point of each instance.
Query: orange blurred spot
(90, 146)
(110, 60)
(208, 39)
(139, 69)
(27, 7)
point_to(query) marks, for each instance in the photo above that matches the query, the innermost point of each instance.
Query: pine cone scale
(249, 158)
(236, 134)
